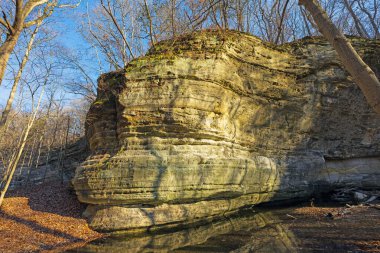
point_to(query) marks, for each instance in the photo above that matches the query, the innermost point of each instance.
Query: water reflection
(246, 232)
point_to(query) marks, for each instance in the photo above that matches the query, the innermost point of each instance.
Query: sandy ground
(44, 218)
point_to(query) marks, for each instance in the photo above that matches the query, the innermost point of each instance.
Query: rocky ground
(44, 218)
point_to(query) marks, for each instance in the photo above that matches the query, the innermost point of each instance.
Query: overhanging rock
(211, 122)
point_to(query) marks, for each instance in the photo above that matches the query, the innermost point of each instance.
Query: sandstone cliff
(211, 122)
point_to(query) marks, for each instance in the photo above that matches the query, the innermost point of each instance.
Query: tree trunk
(13, 165)
(361, 73)
(16, 81)
(358, 25)
(280, 25)
(64, 151)
(30, 161)
(151, 36)
(5, 52)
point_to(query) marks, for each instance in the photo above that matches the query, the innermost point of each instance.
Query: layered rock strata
(211, 122)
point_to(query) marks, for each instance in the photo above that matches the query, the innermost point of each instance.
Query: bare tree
(371, 15)
(23, 18)
(110, 10)
(83, 81)
(362, 74)
(358, 24)
(16, 157)
(280, 25)
(150, 22)
(113, 29)
(18, 76)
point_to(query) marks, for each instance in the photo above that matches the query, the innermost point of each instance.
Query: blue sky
(66, 23)
(3, 96)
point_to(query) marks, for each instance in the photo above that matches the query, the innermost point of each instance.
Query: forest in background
(50, 78)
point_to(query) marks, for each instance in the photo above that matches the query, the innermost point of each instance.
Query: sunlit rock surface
(210, 122)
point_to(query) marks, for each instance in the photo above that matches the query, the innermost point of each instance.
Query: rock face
(211, 122)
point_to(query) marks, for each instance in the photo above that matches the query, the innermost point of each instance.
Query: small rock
(360, 197)
(371, 199)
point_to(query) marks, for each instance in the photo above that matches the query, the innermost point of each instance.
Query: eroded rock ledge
(211, 122)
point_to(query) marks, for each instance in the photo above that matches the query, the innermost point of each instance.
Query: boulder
(210, 122)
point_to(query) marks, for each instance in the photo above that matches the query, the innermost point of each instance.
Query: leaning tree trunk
(362, 74)
(13, 164)
(16, 81)
(5, 52)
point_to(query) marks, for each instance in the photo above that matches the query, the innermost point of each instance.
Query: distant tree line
(121, 30)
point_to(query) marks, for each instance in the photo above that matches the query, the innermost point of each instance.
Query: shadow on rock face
(213, 122)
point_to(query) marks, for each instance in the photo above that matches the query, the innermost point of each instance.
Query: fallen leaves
(44, 218)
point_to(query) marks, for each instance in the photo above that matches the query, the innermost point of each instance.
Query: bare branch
(31, 4)
(150, 23)
(70, 6)
(281, 22)
(112, 16)
(204, 13)
(48, 10)
(2, 22)
(361, 73)
(19, 4)
(6, 23)
(358, 25)
(371, 18)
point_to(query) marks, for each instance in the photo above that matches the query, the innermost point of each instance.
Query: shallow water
(260, 230)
